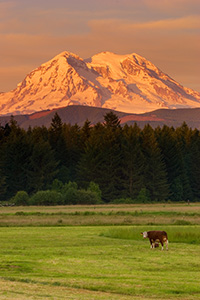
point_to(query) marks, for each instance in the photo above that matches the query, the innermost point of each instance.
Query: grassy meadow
(50, 260)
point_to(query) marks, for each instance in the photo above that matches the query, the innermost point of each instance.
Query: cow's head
(144, 234)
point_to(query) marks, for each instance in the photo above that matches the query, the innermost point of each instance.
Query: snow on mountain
(128, 83)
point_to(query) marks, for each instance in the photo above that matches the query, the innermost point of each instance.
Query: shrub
(143, 196)
(57, 185)
(46, 198)
(70, 196)
(21, 198)
(68, 186)
(123, 201)
(87, 197)
(94, 187)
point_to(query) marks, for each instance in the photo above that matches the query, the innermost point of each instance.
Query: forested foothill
(66, 164)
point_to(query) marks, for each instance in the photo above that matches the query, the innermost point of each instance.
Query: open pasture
(98, 262)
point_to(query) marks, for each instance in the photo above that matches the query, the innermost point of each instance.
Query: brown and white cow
(156, 237)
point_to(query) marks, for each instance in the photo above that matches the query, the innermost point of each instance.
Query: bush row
(60, 194)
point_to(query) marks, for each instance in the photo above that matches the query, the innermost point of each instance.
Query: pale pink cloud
(188, 22)
(167, 43)
(172, 6)
(172, 43)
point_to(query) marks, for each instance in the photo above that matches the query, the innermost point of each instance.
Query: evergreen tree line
(122, 162)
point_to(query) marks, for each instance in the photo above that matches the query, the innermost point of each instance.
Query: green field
(97, 262)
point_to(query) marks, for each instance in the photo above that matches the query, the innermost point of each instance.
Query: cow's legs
(152, 244)
(166, 243)
(161, 244)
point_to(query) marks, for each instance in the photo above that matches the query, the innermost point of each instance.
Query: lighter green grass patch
(93, 263)
(176, 234)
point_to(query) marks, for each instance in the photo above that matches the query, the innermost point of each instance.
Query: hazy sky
(167, 32)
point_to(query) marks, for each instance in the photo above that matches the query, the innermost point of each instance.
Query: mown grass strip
(106, 213)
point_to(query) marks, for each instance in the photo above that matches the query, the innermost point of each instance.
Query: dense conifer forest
(66, 164)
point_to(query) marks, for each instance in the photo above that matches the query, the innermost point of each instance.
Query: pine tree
(58, 143)
(194, 168)
(72, 150)
(3, 186)
(110, 172)
(167, 141)
(91, 159)
(85, 132)
(42, 168)
(101, 160)
(132, 162)
(56, 124)
(183, 137)
(56, 138)
(111, 120)
(15, 157)
(155, 176)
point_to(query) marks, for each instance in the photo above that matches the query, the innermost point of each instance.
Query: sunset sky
(167, 32)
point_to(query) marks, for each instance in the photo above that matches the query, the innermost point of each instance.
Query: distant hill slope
(77, 114)
(128, 83)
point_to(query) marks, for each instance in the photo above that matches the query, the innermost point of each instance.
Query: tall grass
(176, 234)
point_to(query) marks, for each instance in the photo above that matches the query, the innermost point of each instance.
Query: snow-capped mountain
(128, 83)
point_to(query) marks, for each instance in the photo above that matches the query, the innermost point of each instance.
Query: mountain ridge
(76, 114)
(128, 83)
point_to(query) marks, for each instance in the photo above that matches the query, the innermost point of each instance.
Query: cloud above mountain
(165, 32)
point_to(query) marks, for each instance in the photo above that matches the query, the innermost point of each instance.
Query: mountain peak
(66, 54)
(128, 83)
(110, 56)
